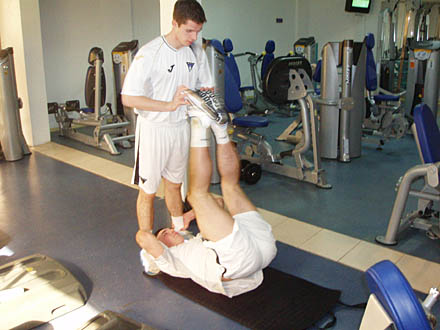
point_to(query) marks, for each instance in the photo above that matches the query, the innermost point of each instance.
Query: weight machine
(108, 129)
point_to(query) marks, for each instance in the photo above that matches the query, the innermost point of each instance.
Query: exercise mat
(282, 301)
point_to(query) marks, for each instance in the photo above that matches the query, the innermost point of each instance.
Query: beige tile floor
(352, 252)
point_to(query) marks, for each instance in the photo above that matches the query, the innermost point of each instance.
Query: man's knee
(172, 186)
(196, 196)
(145, 197)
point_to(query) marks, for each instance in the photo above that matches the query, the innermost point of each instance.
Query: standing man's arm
(148, 104)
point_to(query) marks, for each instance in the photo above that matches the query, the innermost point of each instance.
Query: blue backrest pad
(371, 74)
(427, 133)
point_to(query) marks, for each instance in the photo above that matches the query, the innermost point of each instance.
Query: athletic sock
(205, 121)
(220, 132)
(177, 222)
(200, 136)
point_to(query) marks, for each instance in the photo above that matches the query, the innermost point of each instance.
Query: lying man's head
(169, 237)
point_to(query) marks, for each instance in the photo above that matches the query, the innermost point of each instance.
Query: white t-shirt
(200, 265)
(158, 69)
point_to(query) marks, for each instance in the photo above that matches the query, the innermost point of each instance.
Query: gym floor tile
(96, 165)
(365, 255)
(420, 273)
(61, 153)
(330, 245)
(294, 232)
(273, 218)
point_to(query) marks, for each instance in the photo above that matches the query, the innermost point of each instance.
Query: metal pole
(98, 65)
(344, 120)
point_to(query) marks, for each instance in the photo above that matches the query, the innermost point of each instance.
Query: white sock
(204, 119)
(177, 222)
(220, 132)
(200, 136)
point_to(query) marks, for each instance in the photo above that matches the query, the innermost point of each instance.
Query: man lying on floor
(233, 246)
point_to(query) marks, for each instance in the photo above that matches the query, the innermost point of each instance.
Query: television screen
(358, 6)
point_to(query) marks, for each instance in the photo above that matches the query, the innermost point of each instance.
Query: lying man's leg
(213, 221)
(228, 164)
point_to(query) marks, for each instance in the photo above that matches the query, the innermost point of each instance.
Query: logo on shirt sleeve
(190, 66)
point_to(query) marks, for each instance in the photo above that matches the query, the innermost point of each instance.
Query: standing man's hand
(178, 99)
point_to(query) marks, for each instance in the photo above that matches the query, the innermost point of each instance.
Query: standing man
(160, 72)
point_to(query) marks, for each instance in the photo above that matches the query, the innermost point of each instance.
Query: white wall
(20, 29)
(327, 21)
(70, 28)
(146, 20)
(249, 24)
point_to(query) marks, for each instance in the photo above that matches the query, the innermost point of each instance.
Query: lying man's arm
(149, 243)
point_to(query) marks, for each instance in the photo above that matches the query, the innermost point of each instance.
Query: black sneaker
(207, 102)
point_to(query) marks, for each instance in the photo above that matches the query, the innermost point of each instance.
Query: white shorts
(249, 248)
(161, 150)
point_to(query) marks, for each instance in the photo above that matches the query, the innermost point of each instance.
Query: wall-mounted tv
(358, 6)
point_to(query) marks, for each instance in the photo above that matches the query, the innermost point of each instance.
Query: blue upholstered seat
(428, 133)
(396, 296)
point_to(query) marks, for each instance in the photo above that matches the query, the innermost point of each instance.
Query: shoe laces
(210, 99)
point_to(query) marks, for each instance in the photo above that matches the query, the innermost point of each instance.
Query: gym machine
(108, 129)
(426, 216)
(122, 56)
(288, 81)
(342, 112)
(308, 48)
(109, 320)
(384, 116)
(423, 75)
(35, 290)
(12, 142)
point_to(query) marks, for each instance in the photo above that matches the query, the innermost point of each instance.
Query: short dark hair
(188, 10)
(159, 230)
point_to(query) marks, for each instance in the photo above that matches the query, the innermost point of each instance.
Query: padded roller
(397, 297)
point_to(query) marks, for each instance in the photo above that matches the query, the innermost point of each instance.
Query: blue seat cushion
(385, 97)
(251, 121)
(396, 296)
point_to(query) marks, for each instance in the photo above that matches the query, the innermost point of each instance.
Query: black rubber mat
(282, 301)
